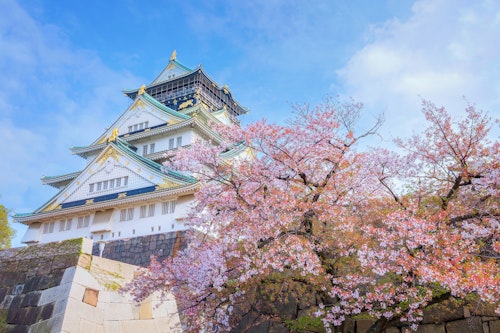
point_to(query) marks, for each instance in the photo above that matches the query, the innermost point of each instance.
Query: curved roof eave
(37, 216)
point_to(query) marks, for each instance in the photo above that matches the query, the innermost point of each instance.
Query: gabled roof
(146, 101)
(155, 177)
(176, 71)
(173, 69)
(60, 180)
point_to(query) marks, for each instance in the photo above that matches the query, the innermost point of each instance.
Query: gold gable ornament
(113, 135)
(173, 56)
(142, 90)
(109, 153)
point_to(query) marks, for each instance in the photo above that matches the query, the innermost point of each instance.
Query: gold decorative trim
(138, 103)
(185, 104)
(122, 195)
(89, 201)
(109, 153)
(166, 184)
(104, 139)
(52, 206)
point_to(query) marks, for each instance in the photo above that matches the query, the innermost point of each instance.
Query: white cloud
(52, 95)
(446, 50)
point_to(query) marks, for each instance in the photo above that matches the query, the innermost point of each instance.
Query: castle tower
(124, 192)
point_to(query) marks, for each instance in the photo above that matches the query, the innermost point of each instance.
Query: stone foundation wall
(33, 286)
(61, 287)
(138, 250)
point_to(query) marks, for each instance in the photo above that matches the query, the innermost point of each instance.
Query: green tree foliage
(6, 231)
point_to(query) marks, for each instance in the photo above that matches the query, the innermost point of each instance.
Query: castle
(124, 191)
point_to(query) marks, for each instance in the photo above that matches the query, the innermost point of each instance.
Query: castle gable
(117, 171)
(142, 115)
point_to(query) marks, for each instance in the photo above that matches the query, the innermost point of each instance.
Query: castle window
(138, 127)
(48, 227)
(151, 148)
(108, 184)
(126, 214)
(179, 141)
(144, 150)
(143, 210)
(171, 144)
(168, 207)
(83, 221)
(151, 211)
(65, 225)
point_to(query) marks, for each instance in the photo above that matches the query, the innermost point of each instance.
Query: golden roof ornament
(173, 56)
(142, 89)
(113, 135)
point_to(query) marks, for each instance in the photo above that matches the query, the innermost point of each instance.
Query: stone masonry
(138, 250)
(61, 287)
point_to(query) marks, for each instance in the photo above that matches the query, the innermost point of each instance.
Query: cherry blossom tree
(305, 211)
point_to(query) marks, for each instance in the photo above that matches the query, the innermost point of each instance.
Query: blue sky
(63, 65)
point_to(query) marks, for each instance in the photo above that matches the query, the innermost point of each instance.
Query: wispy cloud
(444, 51)
(52, 95)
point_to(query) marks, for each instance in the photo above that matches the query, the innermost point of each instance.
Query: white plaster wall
(159, 223)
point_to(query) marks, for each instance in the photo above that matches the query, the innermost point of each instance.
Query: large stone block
(84, 278)
(16, 315)
(87, 245)
(448, 310)
(68, 275)
(31, 299)
(494, 326)
(31, 316)
(47, 311)
(118, 311)
(363, 325)
(55, 294)
(431, 328)
(469, 325)
(17, 329)
(86, 326)
(113, 327)
(65, 260)
(134, 326)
